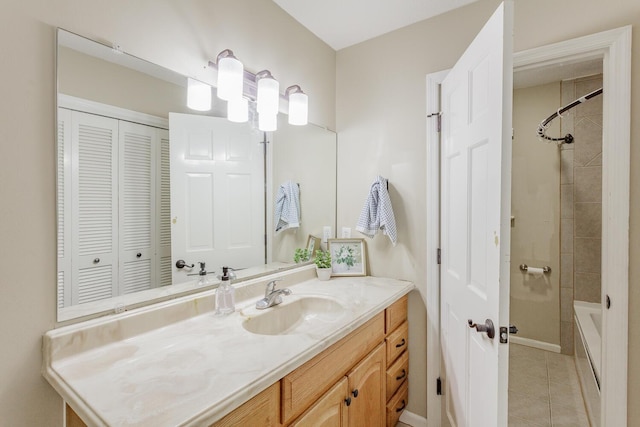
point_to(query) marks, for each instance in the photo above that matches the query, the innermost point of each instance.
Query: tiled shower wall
(580, 203)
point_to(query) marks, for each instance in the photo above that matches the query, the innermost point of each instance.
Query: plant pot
(323, 273)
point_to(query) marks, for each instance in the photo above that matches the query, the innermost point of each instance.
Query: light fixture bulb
(198, 95)
(267, 122)
(230, 77)
(268, 96)
(238, 111)
(298, 108)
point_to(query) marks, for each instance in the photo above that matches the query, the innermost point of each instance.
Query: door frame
(614, 48)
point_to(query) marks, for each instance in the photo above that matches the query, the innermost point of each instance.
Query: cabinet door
(330, 410)
(367, 390)
(262, 410)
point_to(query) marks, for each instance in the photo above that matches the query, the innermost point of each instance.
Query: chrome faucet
(272, 296)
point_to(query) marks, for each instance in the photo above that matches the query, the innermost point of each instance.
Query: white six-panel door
(475, 205)
(217, 193)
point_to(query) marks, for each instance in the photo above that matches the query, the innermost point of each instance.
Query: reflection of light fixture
(268, 93)
(238, 111)
(230, 76)
(267, 122)
(198, 95)
(298, 105)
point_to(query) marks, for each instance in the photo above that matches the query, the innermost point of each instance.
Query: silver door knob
(487, 327)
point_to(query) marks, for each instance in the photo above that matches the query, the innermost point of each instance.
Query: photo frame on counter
(348, 257)
(313, 244)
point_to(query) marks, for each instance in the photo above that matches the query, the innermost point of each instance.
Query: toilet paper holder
(525, 268)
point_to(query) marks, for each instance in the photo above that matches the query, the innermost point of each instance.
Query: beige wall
(314, 149)
(181, 36)
(381, 111)
(535, 205)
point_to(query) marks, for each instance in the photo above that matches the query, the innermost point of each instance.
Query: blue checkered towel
(287, 206)
(377, 213)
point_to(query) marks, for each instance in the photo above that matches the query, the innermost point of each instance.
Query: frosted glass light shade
(268, 96)
(298, 109)
(267, 122)
(198, 95)
(230, 78)
(238, 111)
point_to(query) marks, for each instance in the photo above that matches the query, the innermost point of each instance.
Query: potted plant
(301, 255)
(323, 264)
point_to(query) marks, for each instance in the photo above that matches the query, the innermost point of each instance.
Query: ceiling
(342, 23)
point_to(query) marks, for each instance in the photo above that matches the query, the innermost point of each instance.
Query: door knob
(487, 327)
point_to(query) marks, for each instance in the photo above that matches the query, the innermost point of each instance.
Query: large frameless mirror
(143, 182)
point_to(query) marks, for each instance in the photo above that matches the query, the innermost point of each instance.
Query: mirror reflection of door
(217, 194)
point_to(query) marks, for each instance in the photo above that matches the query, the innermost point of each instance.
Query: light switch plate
(346, 232)
(326, 233)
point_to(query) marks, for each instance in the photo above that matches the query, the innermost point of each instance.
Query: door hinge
(439, 118)
(439, 387)
(439, 255)
(505, 332)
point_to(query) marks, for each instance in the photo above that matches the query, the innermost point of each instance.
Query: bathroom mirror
(114, 190)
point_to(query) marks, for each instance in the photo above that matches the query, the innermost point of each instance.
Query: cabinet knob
(138, 255)
(401, 376)
(403, 342)
(355, 393)
(404, 405)
(96, 260)
(347, 401)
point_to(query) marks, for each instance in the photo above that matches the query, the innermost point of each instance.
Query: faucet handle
(271, 286)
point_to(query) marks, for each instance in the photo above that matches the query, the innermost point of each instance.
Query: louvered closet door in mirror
(94, 165)
(138, 148)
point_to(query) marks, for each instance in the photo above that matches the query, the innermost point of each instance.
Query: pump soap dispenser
(225, 295)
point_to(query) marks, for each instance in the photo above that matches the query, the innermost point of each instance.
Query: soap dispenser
(202, 275)
(225, 295)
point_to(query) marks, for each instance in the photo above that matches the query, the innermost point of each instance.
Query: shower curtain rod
(568, 138)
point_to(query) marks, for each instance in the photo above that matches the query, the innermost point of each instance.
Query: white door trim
(614, 48)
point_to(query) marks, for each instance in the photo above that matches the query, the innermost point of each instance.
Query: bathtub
(588, 356)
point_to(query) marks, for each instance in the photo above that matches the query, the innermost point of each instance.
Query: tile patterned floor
(544, 390)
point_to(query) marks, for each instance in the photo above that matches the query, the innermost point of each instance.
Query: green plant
(322, 259)
(301, 255)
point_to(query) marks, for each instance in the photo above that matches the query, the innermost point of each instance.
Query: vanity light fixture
(268, 95)
(238, 111)
(298, 106)
(230, 76)
(198, 95)
(267, 122)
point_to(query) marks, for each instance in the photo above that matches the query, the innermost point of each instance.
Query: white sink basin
(304, 314)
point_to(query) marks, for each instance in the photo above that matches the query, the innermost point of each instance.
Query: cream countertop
(175, 363)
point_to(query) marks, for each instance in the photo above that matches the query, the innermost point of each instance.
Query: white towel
(287, 206)
(377, 213)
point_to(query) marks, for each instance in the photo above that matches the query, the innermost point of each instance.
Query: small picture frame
(348, 257)
(313, 243)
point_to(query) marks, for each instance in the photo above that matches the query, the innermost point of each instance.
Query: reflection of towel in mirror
(287, 206)
(377, 213)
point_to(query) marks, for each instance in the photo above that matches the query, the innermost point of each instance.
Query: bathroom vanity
(331, 350)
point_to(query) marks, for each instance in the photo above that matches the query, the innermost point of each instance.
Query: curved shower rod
(568, 138)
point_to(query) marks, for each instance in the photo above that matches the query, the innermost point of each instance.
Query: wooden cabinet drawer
(261, 410)
(395, 314)
(307, 383)
(397, 374)
(397, 342)
(397, 404)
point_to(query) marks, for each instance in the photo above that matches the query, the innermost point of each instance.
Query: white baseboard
(535, 344)
(413, 420)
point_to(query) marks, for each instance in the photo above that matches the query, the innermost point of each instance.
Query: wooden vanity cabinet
(397, 355)
(261, 410)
